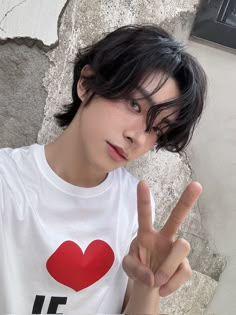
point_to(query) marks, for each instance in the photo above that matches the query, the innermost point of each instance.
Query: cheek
(117, 120)
(148, 146)
(153, 139)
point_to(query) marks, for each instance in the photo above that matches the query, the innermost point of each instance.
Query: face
(112, 132)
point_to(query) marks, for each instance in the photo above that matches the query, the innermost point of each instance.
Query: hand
(155, 257)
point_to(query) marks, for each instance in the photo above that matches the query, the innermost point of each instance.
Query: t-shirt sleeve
(4, 196)
(1, 198)
(8, 178)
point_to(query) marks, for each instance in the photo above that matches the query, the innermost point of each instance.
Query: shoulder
(7, 163)
(12, 158)
(126, 178)
(129, 185)
(10, 154)
(125, 184)
(13, 163)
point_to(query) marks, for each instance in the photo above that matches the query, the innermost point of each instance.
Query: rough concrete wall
(22, 96)
(30, 18)
(213, 156)
(82, 22)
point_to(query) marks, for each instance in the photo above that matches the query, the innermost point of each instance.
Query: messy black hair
(123, 59)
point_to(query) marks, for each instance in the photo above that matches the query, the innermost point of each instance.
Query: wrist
(143, 300)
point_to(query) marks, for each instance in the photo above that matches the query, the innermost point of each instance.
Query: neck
(66, 159)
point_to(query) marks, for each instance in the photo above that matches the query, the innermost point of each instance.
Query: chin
(111, 166)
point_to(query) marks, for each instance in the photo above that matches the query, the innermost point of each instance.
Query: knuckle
(186, 261)
(126, 270)
(184, 245)
(176, 219)
(127, 266)
(185, 204)
(169, 288)
(125, 262)
(189, 273)
(187, 270)
(142, 275)
(162, 277)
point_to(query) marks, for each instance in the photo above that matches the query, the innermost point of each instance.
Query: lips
(119, 151)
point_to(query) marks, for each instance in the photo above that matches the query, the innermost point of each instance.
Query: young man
(72, 218)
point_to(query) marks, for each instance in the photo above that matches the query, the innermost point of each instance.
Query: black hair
(124, 58)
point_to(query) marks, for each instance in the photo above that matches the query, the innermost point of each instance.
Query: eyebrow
(146, 95)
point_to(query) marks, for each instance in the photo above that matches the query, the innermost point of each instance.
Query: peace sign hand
(155, 257)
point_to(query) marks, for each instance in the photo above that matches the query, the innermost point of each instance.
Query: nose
(135, 132)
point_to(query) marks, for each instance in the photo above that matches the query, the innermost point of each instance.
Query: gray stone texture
(192, 298)
(22, 95)
(32, 19)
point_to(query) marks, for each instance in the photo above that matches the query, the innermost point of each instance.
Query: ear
(82, 87)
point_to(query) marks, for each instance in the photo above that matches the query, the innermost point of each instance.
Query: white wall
(30, 18)
(213, 158)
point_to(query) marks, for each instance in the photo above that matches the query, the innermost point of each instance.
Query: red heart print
(69, 266)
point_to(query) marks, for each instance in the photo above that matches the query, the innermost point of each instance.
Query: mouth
(116, 152)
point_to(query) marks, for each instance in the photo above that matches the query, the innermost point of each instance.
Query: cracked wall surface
(22, 96)
(30, 18)
(50, 76)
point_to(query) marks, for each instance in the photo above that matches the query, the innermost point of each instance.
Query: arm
(142, 300)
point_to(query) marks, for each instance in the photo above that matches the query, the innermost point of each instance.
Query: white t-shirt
(61, 246)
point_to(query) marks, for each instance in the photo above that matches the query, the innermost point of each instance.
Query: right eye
(134, 106)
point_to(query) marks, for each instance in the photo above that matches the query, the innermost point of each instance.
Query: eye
(134, 106)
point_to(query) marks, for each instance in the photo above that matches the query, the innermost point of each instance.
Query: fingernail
(165, 291)
(161, 278)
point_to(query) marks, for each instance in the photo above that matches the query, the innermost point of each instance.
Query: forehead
(156, 89)
(166, 90)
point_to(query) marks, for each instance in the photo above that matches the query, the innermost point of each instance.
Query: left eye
(135, 106)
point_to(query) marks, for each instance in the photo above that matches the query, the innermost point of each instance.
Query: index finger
(181, 210)
(144, 207)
